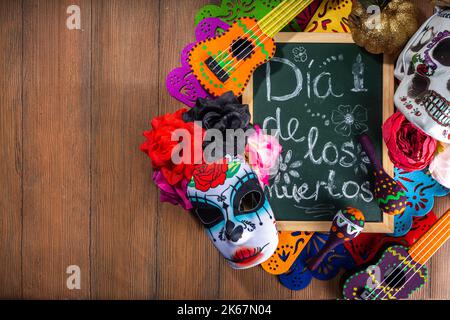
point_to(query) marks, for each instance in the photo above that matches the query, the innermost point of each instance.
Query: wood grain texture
(125, 97)
(180, 236)
(56, 159)
(11, 154)
(73, 105)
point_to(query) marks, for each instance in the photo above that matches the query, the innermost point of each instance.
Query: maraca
(347, 224)
(391, 197)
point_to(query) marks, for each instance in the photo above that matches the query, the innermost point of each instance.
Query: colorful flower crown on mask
(173, 168)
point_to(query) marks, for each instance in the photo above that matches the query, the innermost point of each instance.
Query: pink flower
(263, 151)
(174, 194)
(440, 165)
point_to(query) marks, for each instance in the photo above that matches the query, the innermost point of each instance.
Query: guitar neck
(280, 16)
(431, 241)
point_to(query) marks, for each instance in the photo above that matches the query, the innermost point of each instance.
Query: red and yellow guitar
(226, 62)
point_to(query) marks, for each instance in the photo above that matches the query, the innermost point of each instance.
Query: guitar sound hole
(242, 49)
(395, 277)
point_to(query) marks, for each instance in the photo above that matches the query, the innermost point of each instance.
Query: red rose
(207, 176)
(159, 146)
(409, 147)
(422, 69)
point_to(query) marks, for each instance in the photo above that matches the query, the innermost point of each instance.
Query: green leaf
(233, 168)
(191, 183)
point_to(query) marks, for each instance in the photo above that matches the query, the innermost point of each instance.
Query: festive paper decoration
(390, 196)
(331, 16)
(347, 225)
(389, 32)
(366, 246)
(290, 245)
(231, 10)
(299, 276)
(181, 83)
(420, 189)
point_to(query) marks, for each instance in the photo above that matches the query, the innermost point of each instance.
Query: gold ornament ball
(397, 23)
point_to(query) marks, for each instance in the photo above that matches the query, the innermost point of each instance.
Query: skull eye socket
(442, 52)
(426, 37)
(249, 196)
(448, 85)
(208, 215)
(250, 202)
(419, 85)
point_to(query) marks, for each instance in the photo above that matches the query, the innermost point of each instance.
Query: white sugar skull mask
(424, 70)
(235, 213)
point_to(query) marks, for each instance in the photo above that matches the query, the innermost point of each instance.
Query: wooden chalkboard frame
(387, 225)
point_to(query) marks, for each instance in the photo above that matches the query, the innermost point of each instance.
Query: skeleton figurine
(232, 207)
(358, 75)
(424, 70)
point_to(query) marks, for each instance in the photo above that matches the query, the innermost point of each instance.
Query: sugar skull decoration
(423, 67)
(347, 224)
(230, 203)
(224, 191)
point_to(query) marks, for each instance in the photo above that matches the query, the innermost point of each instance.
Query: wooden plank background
(75, 190)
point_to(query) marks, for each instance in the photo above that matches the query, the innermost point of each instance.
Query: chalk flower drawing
(287, 169)
(350, 121)
(300, 54)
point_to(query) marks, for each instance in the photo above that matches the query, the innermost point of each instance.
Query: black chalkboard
(317, 97)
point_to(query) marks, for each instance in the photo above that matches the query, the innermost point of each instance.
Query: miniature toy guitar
(226, 62)
(400, 271)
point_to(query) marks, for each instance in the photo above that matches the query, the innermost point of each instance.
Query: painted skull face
(232, 207)
(424, 70)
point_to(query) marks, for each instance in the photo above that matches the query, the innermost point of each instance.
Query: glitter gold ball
(397, 23)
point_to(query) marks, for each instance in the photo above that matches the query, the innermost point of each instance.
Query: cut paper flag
(290, 245)
(231, 10)
(331, 16)
(367, 246)
(181, 83)
(299, 276)
(421, 189)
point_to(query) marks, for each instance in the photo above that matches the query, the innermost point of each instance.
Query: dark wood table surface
(74, 188)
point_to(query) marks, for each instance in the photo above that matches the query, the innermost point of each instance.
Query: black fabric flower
(221, 114)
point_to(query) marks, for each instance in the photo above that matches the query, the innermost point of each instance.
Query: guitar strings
(442, 221)
(418, 257)
(421, 266)
(272, 26)
(270, 19)
(408, 256)
(248, 32)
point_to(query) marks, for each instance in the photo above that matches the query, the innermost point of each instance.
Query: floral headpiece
(221, 114)
(212, 161)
